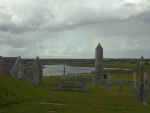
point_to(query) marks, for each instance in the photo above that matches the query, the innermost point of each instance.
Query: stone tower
(99, 62)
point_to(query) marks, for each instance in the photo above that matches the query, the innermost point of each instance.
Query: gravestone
(64, 72)
(134, 83)
(108, 86)
(141, 89)
(145, 96)
(99, 62)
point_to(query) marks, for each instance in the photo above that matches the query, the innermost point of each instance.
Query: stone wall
(3, 70)
(17, 70)
(33, 72)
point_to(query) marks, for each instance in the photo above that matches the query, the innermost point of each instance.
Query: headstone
(108, 86)
(145, 98)
(141, 89)
(134, 83)
(99, 62)
(64, 70)
(145, 81)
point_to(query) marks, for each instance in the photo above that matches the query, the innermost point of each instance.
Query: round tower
(99, 62)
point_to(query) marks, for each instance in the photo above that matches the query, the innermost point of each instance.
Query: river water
(59, 70)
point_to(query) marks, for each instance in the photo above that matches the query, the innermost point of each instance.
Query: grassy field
(14, 91)
(45, 98)
(96, 100)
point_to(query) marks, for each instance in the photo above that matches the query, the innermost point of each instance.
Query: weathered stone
(108, 86)
(3, 70)
(29, 74)
(64, 70)
(99, 62)
(141, 91)
(146, 92)
(33, 72)
(108, 76)
(12, 65)
(134, 83)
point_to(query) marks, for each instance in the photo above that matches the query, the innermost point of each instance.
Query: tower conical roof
(142, 58)
(99, 46)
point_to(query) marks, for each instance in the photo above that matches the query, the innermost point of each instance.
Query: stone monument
(146, 92)
(99, 62)
(134, 83)
(141, 89)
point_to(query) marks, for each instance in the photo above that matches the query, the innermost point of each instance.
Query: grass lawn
(97, 100)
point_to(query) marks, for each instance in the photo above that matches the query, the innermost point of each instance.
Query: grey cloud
(48, 26)
(143, 17)
(130, 5)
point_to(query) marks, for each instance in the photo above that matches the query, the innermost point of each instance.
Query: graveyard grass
(96, 100)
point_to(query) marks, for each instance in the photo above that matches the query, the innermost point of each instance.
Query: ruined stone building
(3, 69)
(13, 65)
(99, 72)
(31, 72)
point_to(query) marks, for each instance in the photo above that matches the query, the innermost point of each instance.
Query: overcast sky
(73, 28)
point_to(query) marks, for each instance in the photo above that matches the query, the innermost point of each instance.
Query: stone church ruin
(31, 72)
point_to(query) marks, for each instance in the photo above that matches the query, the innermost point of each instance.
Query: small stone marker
(134, 83)
(145, 95)
(141, 91)
(64, 70)
(108, 86)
